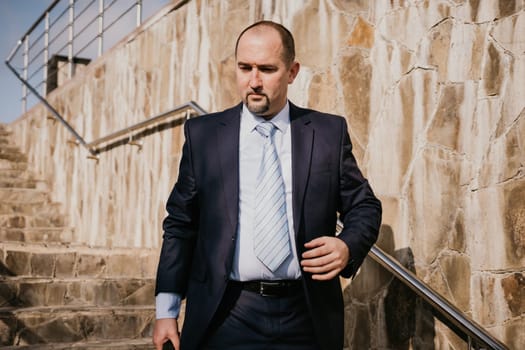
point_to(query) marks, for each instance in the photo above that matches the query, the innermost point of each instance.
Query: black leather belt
(280, 288)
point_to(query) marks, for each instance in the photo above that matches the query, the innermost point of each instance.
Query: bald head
(287, 41)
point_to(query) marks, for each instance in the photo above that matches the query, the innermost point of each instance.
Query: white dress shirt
(246, 266)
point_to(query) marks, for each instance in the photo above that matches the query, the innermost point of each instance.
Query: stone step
(6, 164)
(76, 261)
(32, 292)
(74, 324)
(7, 181)
(9, 148)
(13, 173)
(23, 195)
(4, 131)
(30, 209)
(21, 179)
(12, 153)
(5, 140)
(119, 344)
(62, 235)
(31, 221)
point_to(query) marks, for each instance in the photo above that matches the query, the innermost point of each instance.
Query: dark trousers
(247, 320)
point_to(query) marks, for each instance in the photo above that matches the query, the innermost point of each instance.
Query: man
(249, 237)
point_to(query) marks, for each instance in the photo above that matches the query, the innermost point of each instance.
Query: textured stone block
(455, 268)
(18, 195)
(8, 294)
(355, 71)
(56, 293)
(150, 263)
(7, 329)
(17, 262)
(140, 293)
(65, 264)
(91, 265)
(31, 294)
(43, 264)
(514, 290)
(124, 265)
(63, 325)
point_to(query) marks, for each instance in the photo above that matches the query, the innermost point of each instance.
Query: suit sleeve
(359, 209)
(180, 227)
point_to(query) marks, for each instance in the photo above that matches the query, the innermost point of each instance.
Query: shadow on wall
(381, 312)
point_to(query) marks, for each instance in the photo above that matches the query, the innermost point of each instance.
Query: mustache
(260, 93)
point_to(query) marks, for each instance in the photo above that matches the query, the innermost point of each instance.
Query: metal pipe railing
(141, 125)
(69, 28)
(191, 105)
(50, 108)
(476, 335)
(62, 35)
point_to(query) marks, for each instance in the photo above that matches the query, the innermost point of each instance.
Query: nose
(255, 79)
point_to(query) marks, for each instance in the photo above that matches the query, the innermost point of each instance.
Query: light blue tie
(271, 237)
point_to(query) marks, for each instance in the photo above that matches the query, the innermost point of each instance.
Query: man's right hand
(166, 329)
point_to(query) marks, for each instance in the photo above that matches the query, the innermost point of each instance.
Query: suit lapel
(302, 143)
(227, 141)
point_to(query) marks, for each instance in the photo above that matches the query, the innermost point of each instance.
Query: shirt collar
(281, 120)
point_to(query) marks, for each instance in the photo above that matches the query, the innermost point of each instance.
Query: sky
(16, 17)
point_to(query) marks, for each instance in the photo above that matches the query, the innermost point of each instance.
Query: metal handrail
(191, 105)
(76, 38)
(26, 77)
(51, 109)
(141, 125)
(451, 313)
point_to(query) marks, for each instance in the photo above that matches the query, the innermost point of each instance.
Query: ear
(293, 71)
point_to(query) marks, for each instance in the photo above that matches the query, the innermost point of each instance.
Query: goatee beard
(258, 108)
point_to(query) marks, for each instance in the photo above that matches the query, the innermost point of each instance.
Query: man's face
(262, 75)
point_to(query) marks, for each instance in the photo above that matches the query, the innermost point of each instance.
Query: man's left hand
(325, 257)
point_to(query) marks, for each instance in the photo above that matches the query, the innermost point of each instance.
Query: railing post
(25, 73)
(139, 12)
(46, 53)
(100, 27)
(71, 37)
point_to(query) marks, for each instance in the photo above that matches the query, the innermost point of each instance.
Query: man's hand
(325, 257)
(166, 329)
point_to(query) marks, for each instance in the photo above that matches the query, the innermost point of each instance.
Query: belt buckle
(265, 289)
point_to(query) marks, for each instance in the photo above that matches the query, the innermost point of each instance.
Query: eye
(267, 69)
(245, 67)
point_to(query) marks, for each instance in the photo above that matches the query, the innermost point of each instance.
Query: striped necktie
(271, 237)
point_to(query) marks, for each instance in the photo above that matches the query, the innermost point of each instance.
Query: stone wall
(432, 92)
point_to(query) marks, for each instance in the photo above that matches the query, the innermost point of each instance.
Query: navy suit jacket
(201, 227)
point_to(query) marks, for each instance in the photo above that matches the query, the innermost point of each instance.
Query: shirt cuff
(167, 305)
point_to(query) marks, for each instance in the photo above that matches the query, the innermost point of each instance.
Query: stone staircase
(55, 294)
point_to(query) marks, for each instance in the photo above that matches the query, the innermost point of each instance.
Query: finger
(316, 242)
(158, 341)
(322, 269)
(175, 338)
(318, 251)
(317, 261)
(326, 276)
(158, 344)
(175, 341)
(315, 253)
